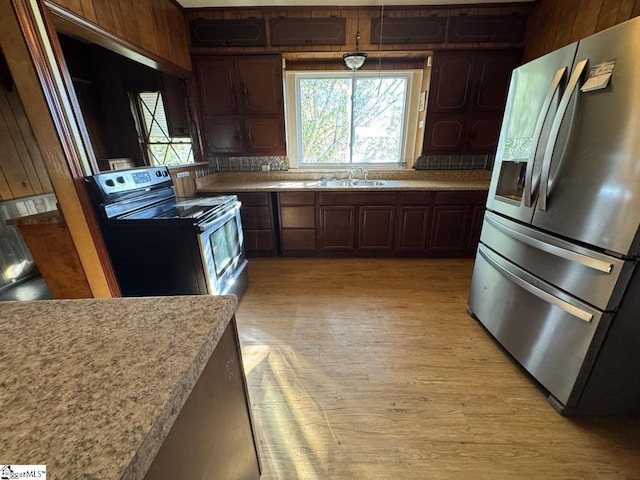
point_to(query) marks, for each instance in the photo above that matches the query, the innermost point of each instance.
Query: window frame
(144, 132)
(410, 120)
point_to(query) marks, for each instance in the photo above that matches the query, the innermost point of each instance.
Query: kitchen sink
(335, 183)
(350, 183)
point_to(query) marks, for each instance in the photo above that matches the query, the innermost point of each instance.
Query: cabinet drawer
(471, 197)
(358, 198)
(298, 217)
(258, 241)
(298, 239)
(257, 198)
(416, 198)
(297, 198)
(256, 218)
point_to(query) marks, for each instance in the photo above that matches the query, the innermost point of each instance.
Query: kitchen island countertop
(90, 388)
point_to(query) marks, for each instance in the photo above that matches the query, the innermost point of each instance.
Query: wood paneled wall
(554, 24)
(185, 184)
(357, 19)
(157, 26)
(22, 170)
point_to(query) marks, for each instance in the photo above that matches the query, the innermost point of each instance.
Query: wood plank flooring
(371, 369)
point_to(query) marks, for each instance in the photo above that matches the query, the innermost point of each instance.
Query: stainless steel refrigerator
(556, 278)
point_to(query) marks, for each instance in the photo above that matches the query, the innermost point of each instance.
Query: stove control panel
(122, 181)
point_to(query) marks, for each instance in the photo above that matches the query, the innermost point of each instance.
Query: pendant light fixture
(354, 60)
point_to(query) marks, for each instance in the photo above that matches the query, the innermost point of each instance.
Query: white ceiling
(328, 3)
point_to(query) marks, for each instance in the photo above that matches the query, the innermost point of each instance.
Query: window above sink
(340, 120)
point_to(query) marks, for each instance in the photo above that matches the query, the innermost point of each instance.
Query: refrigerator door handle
(555, 130)
(544, 112)
(585, 260)
(538, 292)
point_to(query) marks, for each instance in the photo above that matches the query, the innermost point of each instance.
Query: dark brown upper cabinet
(307, 31)
(471, 80)
(398, 30)
(248, 32)
(260, 79)
(467, 99)
(241, 104)
(487, 28)
(217, 85)
(175, 106)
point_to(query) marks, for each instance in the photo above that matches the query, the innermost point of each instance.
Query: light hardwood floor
(371, 369)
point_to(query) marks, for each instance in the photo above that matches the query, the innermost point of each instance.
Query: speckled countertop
(297, 181)
(91, 388)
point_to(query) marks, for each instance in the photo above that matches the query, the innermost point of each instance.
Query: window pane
(378, 113)
(162, 149)
(154, 117)
(324, 120)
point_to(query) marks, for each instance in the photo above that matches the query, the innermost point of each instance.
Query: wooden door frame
(32, 51)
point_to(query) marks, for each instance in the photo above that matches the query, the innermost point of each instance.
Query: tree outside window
(351, 119)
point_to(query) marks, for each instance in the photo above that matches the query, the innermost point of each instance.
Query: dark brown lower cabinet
(456, 221)
(337, 227)
(257, 224)
(449, 227)
(297, 223)
(375, 228)
(213, 435)
(412, 228)
(413, 218)
(344, 223)
(356, 223)
(477, 217)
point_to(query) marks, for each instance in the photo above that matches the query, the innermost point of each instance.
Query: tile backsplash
(280, 164)
(248, 164)
(455, 162)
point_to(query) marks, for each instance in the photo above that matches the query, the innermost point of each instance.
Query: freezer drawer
(595, 278)
(553, 336)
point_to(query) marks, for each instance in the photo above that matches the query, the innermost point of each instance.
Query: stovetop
(196, 209)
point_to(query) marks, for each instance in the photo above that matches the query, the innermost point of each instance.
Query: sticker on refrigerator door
(599, 76)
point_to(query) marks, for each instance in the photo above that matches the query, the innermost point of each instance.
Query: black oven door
(222, 248)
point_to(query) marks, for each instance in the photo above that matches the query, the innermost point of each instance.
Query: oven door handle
(219, 218)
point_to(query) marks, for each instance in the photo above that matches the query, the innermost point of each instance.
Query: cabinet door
(412, 228)
(483, 131)
(375, 227)
(449, 230)
(307, 31)
(223, 135)
(216, 80)
(257, 224)
(174, 97)
(445, 133)
(261, 84)
(213, 432)
(451, 81)
(337, 227)
(492, 76)
(259, 243)
(256, 217)
(265, 135)
(477, 217)
(299, 216)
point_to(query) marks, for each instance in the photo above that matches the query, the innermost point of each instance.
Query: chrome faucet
(354, 171)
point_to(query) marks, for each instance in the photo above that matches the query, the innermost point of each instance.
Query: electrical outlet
(182, 174)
